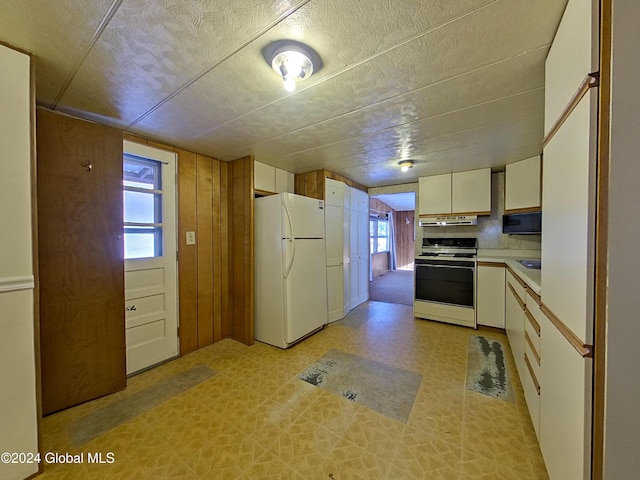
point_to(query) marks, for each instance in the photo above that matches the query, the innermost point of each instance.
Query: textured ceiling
(453, 85)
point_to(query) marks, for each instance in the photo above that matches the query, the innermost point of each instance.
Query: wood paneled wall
(404, 233)
(201, 209)
(405, 239)
(241, 197)
(312, 184)
(215, 276)
(379, 263)
(377, 206)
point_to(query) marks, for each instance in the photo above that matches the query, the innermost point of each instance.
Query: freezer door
(303, 217)
(305, 288)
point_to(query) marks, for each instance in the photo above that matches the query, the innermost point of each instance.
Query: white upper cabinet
(522, 186)
(285, 181)
(471, 192)
(456, 193)
(334, 193)
(264, 177)
(568, 179)
(435, 195)
(570, 59)
(271, 179)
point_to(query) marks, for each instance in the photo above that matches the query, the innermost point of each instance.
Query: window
(142, 207)
(378, 234)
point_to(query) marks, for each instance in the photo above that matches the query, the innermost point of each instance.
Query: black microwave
(522, 223)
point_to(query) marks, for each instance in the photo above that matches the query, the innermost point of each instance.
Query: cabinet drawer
(532, 330)
(517, 287)
(531, 389)
(532, 351)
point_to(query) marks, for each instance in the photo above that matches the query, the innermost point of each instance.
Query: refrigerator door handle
(288, 215)
(293, 254)
(292, 240)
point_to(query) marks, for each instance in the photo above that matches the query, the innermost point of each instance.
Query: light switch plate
(191, 238)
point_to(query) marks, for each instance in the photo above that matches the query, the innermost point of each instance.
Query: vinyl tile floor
(255, 419)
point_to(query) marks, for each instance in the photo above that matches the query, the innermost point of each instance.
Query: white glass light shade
(292, 65)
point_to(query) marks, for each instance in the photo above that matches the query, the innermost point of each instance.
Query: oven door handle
(445, 266)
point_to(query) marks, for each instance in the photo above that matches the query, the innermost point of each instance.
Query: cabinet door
(346, 250)
(565, 412)
(491, 298)
(335, 292)
(471, 192)
(19, 417)
(285, 181)
(434, 195)
(522, 186)
(264, 177)
(334, 244)
(568, 222)
(334, 193)
(363, 254)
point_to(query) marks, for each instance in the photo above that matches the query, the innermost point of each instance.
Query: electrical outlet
(191, 238)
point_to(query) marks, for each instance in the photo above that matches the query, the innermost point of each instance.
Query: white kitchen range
(445, 281)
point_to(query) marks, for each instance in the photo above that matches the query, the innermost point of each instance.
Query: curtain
(392, 243)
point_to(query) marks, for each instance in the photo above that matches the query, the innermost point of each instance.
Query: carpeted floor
(394, 286)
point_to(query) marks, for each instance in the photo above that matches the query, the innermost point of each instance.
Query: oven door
(449, 282)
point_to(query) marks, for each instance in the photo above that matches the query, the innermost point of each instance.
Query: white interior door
(150, 256)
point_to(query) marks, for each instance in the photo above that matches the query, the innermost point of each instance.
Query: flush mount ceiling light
(293, 61)
(405, 165)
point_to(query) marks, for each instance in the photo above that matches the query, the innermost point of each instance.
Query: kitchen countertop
(530, 276)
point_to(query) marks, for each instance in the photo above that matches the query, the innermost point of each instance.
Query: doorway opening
(392, 246)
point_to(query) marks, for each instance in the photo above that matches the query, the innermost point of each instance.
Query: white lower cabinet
(565, 412)
(556, 380)
(491, 300)
(531, 379)
(514, 320)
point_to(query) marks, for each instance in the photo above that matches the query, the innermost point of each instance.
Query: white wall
(18, 414)
(622, 427)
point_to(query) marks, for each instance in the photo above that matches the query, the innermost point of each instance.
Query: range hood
(448, 220)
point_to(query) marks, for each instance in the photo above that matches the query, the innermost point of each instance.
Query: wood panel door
(80, 255)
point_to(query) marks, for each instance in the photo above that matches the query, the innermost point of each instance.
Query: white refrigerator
(290, 269)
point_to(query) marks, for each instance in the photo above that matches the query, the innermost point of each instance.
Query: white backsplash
(489, 227)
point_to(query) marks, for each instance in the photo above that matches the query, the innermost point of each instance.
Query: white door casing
(151, 283)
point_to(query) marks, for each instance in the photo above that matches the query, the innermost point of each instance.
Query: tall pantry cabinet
(336, 215)
(18, 417)
(568, 200)
(347, 247)
(359, 247)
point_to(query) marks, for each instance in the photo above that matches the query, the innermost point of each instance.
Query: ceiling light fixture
(293, 61)
(405, 165)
